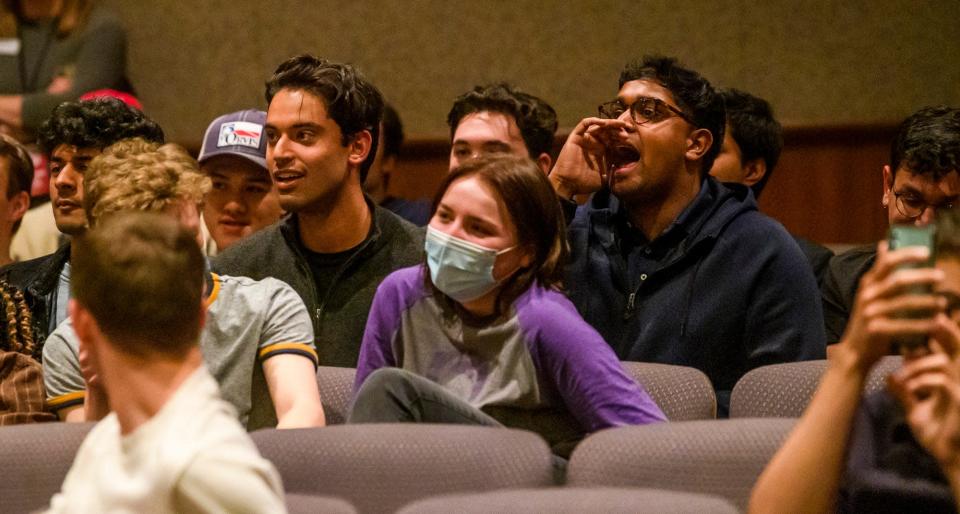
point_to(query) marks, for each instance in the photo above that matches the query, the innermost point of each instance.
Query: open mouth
(286, 177)
(621, 156)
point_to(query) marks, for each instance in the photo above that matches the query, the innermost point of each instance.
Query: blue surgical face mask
(460, 269)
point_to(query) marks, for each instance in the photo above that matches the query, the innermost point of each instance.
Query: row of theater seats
(693, 464)
(684, 394)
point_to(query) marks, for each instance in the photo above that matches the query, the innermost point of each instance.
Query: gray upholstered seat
(716, 457)
(309, 504)
(336, 391)
(35, 459)
(784, 390)
(573, 500)
(380, 467)
(683, 393)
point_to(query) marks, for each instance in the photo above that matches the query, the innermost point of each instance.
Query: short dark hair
(535, 211)
(19, 169)
(757, 133)
(536, 119)
(693, 94)
(928, 142)
(141, 277)
(96, 123)
(351, 101)
(392, 131)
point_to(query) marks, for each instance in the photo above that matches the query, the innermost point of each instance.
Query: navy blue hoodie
(724, 289)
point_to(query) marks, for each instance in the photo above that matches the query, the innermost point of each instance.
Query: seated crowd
(194, 299)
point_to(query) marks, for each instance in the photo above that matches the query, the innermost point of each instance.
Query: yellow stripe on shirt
(215, 291)
(66, 400)
(295, 348)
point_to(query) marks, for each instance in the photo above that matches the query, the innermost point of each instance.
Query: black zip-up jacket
(724, 289)
(38, 279)
(340, 313)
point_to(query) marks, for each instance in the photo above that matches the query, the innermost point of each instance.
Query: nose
(66, 179)
(279, 152)
(235, 205)
(928, 216)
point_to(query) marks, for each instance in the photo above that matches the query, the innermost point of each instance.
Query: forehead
(474, 197)
(295, 107)
(234, 166)
(947, 184)
(69, 152)
(488, 126)
(634, 89)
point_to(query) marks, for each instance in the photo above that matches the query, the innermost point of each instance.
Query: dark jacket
(724, 289)
(340, 313)
(39, 279)
(840, 284)
(887, 470)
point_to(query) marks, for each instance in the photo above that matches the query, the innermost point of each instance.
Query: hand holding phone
(902, 236)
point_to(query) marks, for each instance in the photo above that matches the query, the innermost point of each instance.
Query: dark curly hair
(757, 133)
(96, 123)
(693, 94)
(351, 101)
(536, 119)
(928, 142)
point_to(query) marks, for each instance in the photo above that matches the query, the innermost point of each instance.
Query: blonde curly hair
(137, 175)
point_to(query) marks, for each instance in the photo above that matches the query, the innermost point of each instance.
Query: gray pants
(393, 395)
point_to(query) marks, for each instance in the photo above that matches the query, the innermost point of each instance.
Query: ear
(526, 258)
(698, 142)
(18, 206)
(544, 162)
(83, 324)
(887, 185)
(754, 171)
(359, 147)
(203, 314)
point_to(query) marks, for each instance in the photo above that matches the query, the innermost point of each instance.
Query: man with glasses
(923, 176)
(667, 264)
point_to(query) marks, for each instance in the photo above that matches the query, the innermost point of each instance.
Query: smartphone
(902, 236)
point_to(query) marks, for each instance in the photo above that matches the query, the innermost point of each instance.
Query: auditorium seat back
(715, 457)
(381, 467)
(785, 390)
(336, 391)
(683, 393)
(35, 459)
(573, 500)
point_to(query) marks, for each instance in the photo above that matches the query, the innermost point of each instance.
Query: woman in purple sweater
(481, 333)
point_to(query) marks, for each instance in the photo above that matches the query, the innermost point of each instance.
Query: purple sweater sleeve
(394, 295)
(582, 367)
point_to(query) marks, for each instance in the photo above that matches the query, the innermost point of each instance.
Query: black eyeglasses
(645, 109)
(911, 206)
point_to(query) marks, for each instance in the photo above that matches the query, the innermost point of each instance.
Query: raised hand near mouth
(581, 166)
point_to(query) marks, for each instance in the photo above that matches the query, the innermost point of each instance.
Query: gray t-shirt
(248, 321)
(63, 297)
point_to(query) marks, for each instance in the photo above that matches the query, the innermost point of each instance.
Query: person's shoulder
(102, 17)
(404, 281)
(397, 230)
(22, 274)
(545, 308)
(250, 253)
(855, 258)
